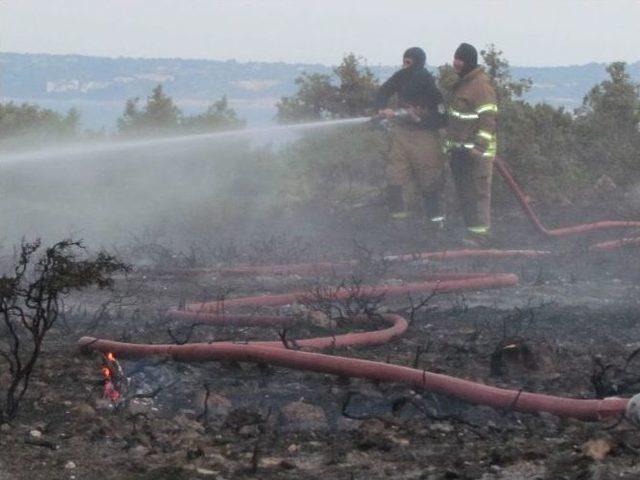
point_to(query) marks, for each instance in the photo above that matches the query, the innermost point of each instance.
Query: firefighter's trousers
(416, 164)
(472, 176)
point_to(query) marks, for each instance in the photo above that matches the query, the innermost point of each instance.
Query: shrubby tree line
(554, 151)
(18, 121)
(558, 152)
(160, 116)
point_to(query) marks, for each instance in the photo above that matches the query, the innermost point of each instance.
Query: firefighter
(416, 163)
(471, 142)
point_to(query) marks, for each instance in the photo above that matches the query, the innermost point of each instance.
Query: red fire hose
(587, 409)
(440, 283)
(311, 268)
(277, 353)
(504, 170)
(616, 244)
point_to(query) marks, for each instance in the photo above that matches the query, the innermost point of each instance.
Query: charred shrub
(30, 303)
(350, 299)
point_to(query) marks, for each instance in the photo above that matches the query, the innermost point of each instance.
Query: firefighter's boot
(477, 237)
(395, 203)
(435, 218)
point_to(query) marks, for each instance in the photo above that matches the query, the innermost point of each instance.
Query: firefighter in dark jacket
(471, 142)
(416, 163)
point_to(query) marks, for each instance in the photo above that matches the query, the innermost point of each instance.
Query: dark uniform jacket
(415, 87)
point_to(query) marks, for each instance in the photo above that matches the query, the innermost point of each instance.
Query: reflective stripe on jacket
(472, 114)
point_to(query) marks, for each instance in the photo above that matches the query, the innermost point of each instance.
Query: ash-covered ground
(572, 328)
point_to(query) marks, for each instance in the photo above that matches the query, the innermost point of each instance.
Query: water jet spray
(75, 150)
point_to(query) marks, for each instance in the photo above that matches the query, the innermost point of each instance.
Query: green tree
(319, 98)
(497, 68)
(607, 127)
(217, 117)
(614, 102)
(27, 121)
(315, 99)
(357, 87)
(160, 115)
(538, 141)
(131, 117)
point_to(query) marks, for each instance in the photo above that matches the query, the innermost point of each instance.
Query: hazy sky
(530, 32)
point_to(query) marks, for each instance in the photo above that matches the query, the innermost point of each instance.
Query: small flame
(111, 372)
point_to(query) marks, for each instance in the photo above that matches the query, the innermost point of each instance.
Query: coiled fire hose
(278, 353)
(299, 357)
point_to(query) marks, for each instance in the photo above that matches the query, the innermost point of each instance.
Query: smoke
(633, 197)
(223, 184)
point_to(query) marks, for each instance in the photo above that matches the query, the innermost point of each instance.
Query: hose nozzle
(380, 120)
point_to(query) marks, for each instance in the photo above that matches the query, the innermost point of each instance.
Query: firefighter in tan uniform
(471, 142)
(416, 163)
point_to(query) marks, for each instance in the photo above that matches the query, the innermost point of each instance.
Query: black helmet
(417, 55)
(469, 55)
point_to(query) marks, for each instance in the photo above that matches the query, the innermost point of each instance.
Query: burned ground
(572, 328)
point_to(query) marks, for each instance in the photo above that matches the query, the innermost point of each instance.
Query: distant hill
(99, 86)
